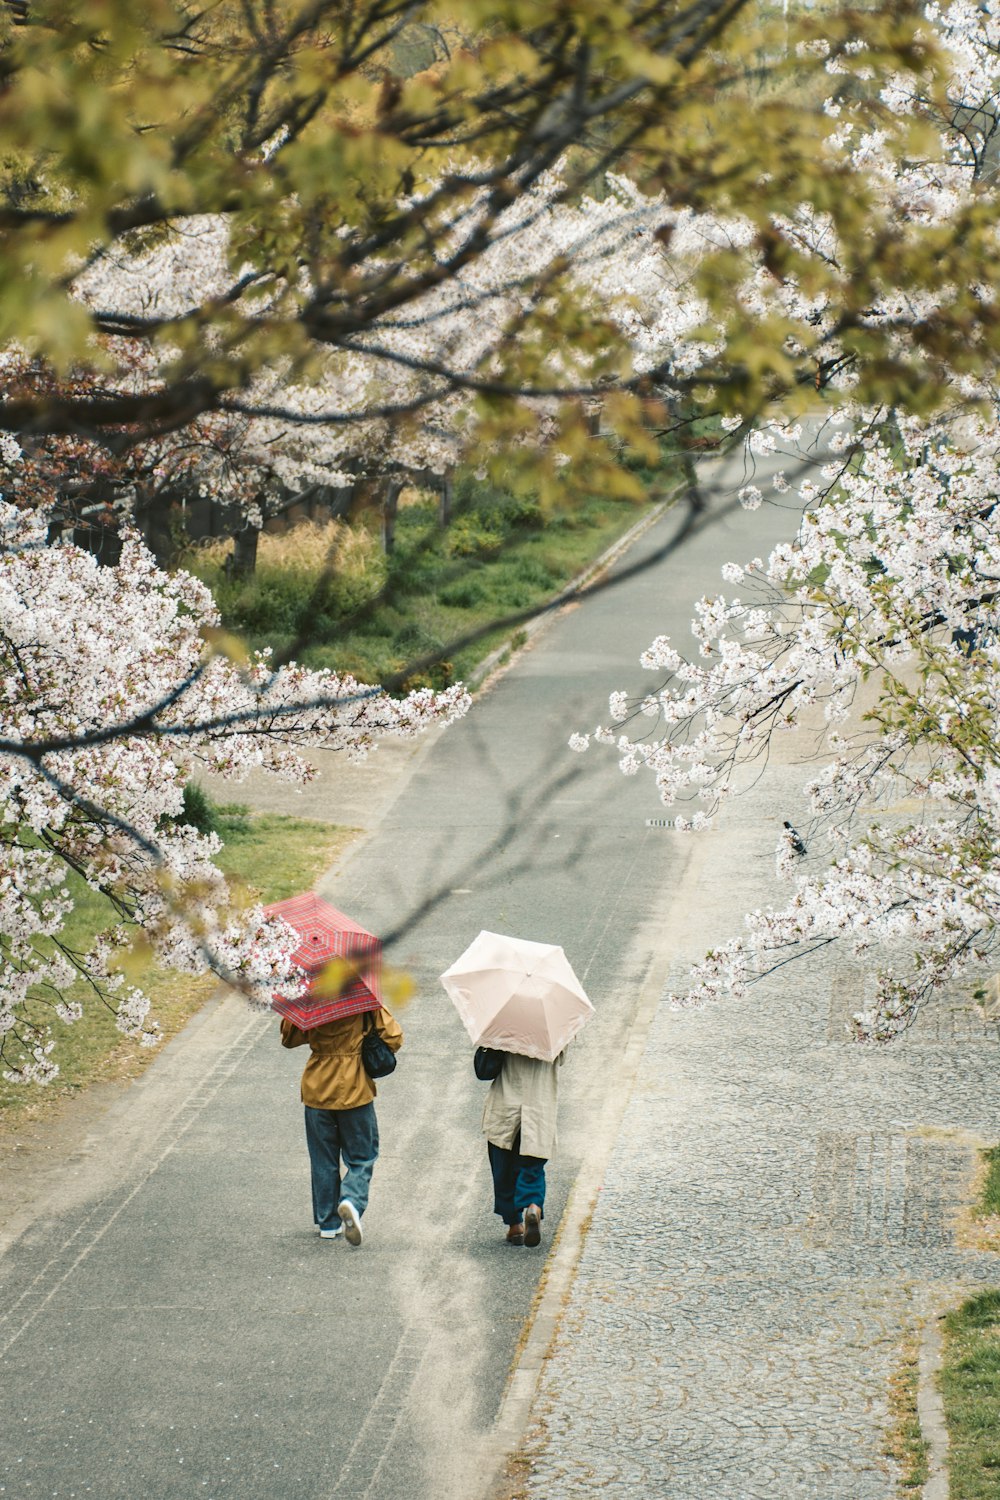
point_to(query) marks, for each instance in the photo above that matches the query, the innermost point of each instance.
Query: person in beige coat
(341, 1127)
(519, 1122)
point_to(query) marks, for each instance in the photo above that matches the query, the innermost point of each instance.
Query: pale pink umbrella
(517, 995)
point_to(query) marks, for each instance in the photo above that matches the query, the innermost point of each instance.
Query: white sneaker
(351, 1220)
(331, 1234)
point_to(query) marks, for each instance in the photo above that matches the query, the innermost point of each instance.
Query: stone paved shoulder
(777, 1211)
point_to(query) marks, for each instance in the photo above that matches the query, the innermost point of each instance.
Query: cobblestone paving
(778, 1209)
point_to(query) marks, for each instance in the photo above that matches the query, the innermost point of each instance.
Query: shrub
(520, 511)
(532, 571)
(466, 593)
(270, 601)
(290, 565)
(199, 811)
(470, 537)
(496, 508)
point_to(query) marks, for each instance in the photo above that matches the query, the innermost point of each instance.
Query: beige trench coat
(524, 1098)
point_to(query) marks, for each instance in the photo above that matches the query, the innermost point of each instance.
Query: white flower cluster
(612, 250)
(879, 629)
(86, 651)
(893, 583)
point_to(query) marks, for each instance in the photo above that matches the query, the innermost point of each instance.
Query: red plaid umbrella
(329, 935)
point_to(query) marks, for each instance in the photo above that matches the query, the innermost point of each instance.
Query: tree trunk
(446, 499)
(390, 507)
(154, 513)
(692, 489)
(242, 561)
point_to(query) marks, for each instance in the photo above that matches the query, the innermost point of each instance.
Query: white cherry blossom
(110, 699)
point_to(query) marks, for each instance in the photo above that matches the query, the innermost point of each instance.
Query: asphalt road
(170, 1324)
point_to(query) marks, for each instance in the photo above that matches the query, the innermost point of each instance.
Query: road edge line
(481, 674)
(930, 1408)
(545, 1315)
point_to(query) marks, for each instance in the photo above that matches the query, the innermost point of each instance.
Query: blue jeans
(517, 1181)
(335, 1135)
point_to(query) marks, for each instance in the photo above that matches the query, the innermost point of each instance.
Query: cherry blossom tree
(328, 219)
(875, 630)
(293, 273)
(258, 256)
(116, 686)
(361, 413)
(97, 788)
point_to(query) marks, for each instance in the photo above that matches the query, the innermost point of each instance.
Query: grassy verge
(905, 1443)
(499, 555)
(271, 856)
(970, 1386)
(970, 1371)
(439, 597)
(977, 1226)
(989, 1197)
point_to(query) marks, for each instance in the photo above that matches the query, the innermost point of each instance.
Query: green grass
(436, 597)
(970, 1374)
(970, 1386)
(989, 1200)
(270, 856)
(500, 555)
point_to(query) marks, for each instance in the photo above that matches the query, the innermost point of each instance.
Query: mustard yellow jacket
(334, 1076)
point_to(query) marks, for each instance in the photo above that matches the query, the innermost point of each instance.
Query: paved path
(170, 1325)
(774, 1205)
(777, 1209)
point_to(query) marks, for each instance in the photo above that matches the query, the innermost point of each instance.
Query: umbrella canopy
(343, 960)
(517, 995)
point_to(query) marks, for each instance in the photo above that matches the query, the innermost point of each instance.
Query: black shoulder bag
(377, 1057)
(488, 1063)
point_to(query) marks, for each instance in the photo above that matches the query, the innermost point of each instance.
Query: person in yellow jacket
(340, 1118)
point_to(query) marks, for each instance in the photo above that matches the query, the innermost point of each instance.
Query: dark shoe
(515, 1234)
(532, 1224)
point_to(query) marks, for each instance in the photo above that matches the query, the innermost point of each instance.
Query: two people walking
(519, 1000)
(519, 1121)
